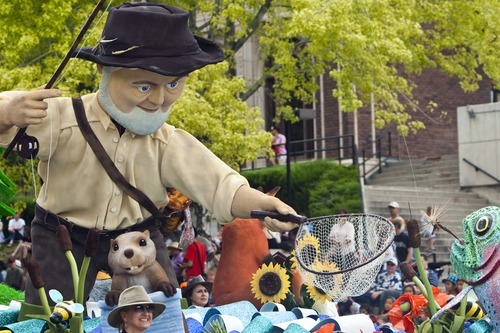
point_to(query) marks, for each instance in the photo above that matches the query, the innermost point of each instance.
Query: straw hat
(135, 295)
(174, 245)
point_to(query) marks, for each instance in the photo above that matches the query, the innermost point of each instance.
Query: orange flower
(417, 303)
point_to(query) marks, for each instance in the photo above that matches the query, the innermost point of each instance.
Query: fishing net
(342, 254)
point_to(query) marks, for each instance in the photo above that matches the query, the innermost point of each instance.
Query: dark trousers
(55, 268)
(14, 236)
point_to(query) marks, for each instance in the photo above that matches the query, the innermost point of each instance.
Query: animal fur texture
(132, 258)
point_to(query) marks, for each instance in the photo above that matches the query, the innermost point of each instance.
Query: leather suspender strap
(108, 164)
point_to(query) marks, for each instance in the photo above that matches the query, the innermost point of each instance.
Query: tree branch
(253, 26)
(255, 86)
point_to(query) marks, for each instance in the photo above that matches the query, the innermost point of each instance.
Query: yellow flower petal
(270, 283)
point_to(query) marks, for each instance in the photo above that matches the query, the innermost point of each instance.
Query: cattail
(408, 270)
(64, 238)
(92, 243)
(34, 273)
(414, 233)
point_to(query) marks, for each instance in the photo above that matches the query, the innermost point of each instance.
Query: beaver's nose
(129, 253)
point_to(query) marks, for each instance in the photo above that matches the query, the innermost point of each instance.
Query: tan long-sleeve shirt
(76, 186)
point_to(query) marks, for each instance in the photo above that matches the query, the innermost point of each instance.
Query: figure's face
(137, 99)
(137, 318)
(388, 303)
(408, 290)
(449, 287)
(391, 268)
(460, 285)
(199, 297)
(393, 211)
(149, 91)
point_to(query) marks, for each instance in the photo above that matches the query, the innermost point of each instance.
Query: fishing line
(89, 33)
(378, 56)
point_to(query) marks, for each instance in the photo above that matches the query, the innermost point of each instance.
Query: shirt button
(113, 210)
(118, 193)
(115, 139)
(120, 159)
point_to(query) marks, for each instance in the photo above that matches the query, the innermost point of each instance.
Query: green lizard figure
(477, 258)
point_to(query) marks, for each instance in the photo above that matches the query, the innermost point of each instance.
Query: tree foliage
(369, 48)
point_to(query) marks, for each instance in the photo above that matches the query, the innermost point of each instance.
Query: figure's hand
(167, 288)
(112, 297)
(27, 108)
(248, 199)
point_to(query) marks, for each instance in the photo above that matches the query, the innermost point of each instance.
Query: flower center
(270, 284)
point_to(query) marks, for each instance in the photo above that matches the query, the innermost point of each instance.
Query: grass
(6, 252)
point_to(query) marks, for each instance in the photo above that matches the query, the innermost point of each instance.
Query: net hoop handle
(303, 266)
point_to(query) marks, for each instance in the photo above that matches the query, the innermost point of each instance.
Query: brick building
(438, 138)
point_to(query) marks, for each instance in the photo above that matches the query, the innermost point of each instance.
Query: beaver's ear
(146, 232)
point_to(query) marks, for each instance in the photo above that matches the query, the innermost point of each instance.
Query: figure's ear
(146, 232)
(99, 68)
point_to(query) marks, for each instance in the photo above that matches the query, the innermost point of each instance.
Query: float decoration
(433, 311)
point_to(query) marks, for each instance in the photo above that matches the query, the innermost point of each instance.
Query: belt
(54, 220)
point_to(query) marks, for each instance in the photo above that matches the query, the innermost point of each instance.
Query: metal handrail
(481, 170)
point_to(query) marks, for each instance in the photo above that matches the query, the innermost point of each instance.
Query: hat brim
(209, 53)
(115, 320)
(186, 290)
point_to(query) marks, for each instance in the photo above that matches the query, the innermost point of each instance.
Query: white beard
(137, 121)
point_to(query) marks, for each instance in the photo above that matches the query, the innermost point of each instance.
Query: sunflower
(317, 294)
(270, 283)
(331, 283)
(308, 249)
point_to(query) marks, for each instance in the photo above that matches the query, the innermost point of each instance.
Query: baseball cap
(393, 204)
(393, 260)
(452, 278)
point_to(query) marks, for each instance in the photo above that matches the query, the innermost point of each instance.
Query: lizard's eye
(483, 225)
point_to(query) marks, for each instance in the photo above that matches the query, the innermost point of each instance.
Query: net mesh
(342, 254)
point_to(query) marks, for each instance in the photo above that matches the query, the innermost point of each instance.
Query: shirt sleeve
(190, 253)
(195, 171)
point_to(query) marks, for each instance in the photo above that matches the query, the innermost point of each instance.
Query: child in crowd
(368, 310)
(383, 318)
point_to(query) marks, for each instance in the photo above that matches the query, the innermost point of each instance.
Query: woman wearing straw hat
(135, 311)
(197, 292)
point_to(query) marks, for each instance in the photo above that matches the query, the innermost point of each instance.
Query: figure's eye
(172, 85)
(143, 242)
(144, 89)
(483, 225)
(115, 247)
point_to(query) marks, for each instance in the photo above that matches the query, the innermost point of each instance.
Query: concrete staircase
(421, 183)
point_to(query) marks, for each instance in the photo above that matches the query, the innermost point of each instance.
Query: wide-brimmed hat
(193, 282)
(174, 245)
(153, 37)
(135, 295)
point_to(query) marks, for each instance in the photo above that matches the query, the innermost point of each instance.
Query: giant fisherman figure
(145, 54)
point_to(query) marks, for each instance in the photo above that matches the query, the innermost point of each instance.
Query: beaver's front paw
(167, 288)
(112, 297)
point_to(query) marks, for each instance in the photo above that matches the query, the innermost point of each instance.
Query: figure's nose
(157, 96)
(129, 253)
